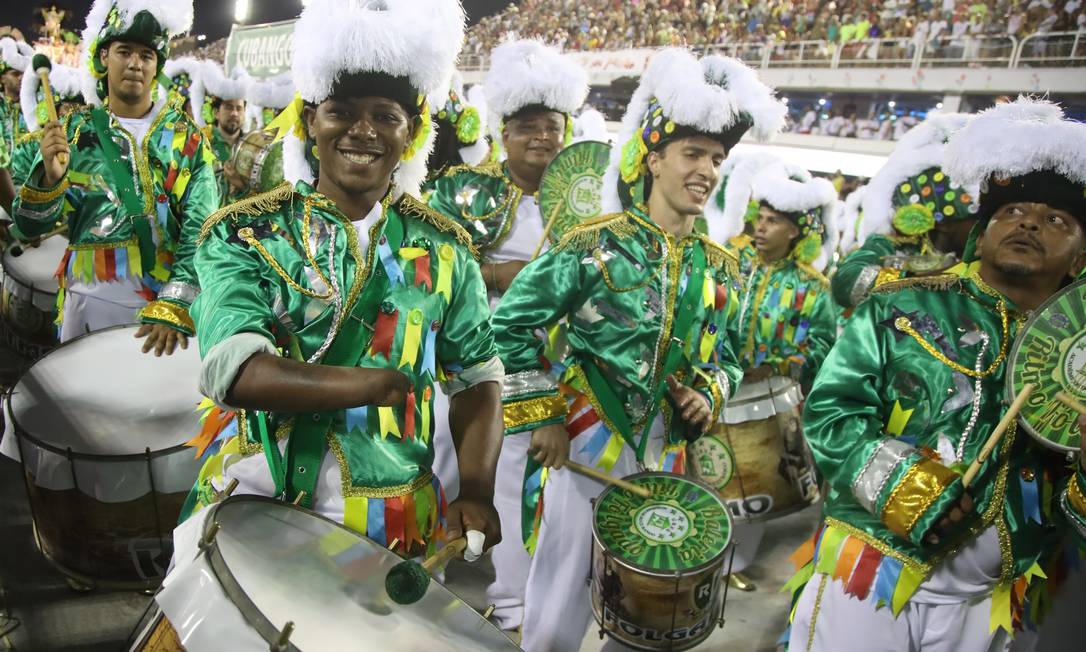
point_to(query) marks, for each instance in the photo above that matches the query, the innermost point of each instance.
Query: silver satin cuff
(282, 314)
(1071, 515)
(535, 381)
(888, 454)
(37, 216)
(220, 366)
(491, 371)
(178, 291)
(864, 281)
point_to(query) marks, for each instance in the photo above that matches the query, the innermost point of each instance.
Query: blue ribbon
(889, 571)
(801, 331)
(166, 141)
(120, 254)
(595, 444)
(388, 259)
(1031, 501)
(429, 355)
(357, 417)
(375, 520)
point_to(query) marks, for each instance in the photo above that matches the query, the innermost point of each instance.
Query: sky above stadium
(213, 17)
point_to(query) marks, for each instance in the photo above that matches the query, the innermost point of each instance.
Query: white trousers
(950, 612)
(89, 308)
(511, 560)
(747, 536)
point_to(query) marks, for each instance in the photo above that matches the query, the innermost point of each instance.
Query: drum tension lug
(209, 537)
(299, 498)
(282, 644)
(489, 611)
(392, 544)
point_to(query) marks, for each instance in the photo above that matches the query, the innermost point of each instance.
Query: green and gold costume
(283, 272)
(12, 127)
(871, 266)
(482, 199)
(150, 233)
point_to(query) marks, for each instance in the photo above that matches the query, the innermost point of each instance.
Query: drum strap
(306, 445)
(609, 401)
(119, 175)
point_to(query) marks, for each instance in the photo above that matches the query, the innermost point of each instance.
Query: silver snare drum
(28, 301)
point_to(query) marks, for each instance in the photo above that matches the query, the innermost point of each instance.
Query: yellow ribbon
(178, 140)
(907, 584)
(289, 120)
(356, 513)
(182, 182)
(427, 393)
(1001, 608)
(899, 418)
(708, 345)
(611, 453)
(411, 253)
(135, 262)
(708, 290)
(445, 256)
(388, 423)
(411, 337)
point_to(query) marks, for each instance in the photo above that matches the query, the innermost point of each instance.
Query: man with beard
(14, 59)
(223, 108)
(133, 180)
(915, 221)
(330, 309)
(531, 92)
(907, 557)
(651, 335)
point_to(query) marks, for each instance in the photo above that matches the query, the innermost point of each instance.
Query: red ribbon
(864, 574)
(409, 416)
(190, 146)
(394, 517)
(721, 296)
(171, 177)
(384, 333)
(111, 264)
(801, 294)
(422, 272)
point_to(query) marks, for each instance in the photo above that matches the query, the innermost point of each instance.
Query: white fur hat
(850, 219)
(528, 72)
(1015, 139)
(66, 82)
(923, 147)
(418, 40)
(194, 68)
(217, 84)
(16, 54)
(590, 125)
(715, 95)
(173, 16)
(273, 93)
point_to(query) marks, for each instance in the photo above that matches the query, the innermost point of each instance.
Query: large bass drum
(657, 563)
(757, 458)
(100, 429)
(28, 301)
(252, 573)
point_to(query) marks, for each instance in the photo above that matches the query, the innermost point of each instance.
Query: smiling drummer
(906, 558)
(330, 309)
(648, 302)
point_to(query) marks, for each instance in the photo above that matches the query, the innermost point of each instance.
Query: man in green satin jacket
(915, 219)
(12, 125)
(911, 393)
(648, 303)
(330, 311)
(134, 183)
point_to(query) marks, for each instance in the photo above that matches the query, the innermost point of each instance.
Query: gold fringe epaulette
(26, 138)
(408, 205)
(586, 236)
(813, 274)
(262, 204)
(938, 282)
(488, 169)
(718, 255)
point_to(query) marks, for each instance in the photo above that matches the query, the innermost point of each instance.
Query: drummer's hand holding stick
(475, 419)
(55, 154)
(691, 405)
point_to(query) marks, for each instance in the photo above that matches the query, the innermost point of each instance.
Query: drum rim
(655, 572)
(233, 590)
(9, 273)
(23, 433)
(1008, 382)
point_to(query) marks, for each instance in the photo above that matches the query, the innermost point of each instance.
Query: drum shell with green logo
(1050, 352)
(259, 161)
(659, 606)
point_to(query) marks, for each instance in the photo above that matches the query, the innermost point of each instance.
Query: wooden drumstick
(608, 479)
(546, 232)
(1008, 418)
(1071, 402)
(42, 66)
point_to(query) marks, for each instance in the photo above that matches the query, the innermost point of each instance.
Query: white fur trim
(526, 72)
(416, 39)
(1014, 139)
(849, 220)
(295, 166)
(590, 125)
(66, 82)
(16, 54)
(173, 15)
(273, 93)
(922, 147)
(217, 84)
(476, 153)
(195, 70)
(727, 223)
(678, 80)
(476, 97)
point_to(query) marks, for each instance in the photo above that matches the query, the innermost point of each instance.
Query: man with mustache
(531, 92)
(916, 219)
(906, 558)
(650, 307)
(133, 180)
(224, 109)
(331, 306)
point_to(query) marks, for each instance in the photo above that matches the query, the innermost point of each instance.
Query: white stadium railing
(1055, 49)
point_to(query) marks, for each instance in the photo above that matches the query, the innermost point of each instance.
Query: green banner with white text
(262, 50)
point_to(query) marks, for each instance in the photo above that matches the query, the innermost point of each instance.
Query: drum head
(572, 186)
(281, 563)
(99, 395)
(685, 526)
(259, 160)
(37, 266)
(1050, 352)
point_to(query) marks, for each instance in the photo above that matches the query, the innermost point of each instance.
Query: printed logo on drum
(750, 506)
(714, 463)
(626, 629)
(703, 593)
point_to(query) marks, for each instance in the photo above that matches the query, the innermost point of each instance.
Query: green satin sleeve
(233, 297)
(201, 199)
(855, 276)
(823, 335)
(844, 419)
(466, 339)
(22, 159)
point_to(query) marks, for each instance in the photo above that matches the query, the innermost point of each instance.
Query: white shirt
(522, 239)
(138, 127)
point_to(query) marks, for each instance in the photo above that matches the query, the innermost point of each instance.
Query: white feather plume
(16, 54)
(1014, 139)
(526, 72)
(416, 39)
(66, 82)
(691, 95)
(850, 220)
(590, 125)
(922, 147)
(195, 70)
(273, 93)
(216, 83)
